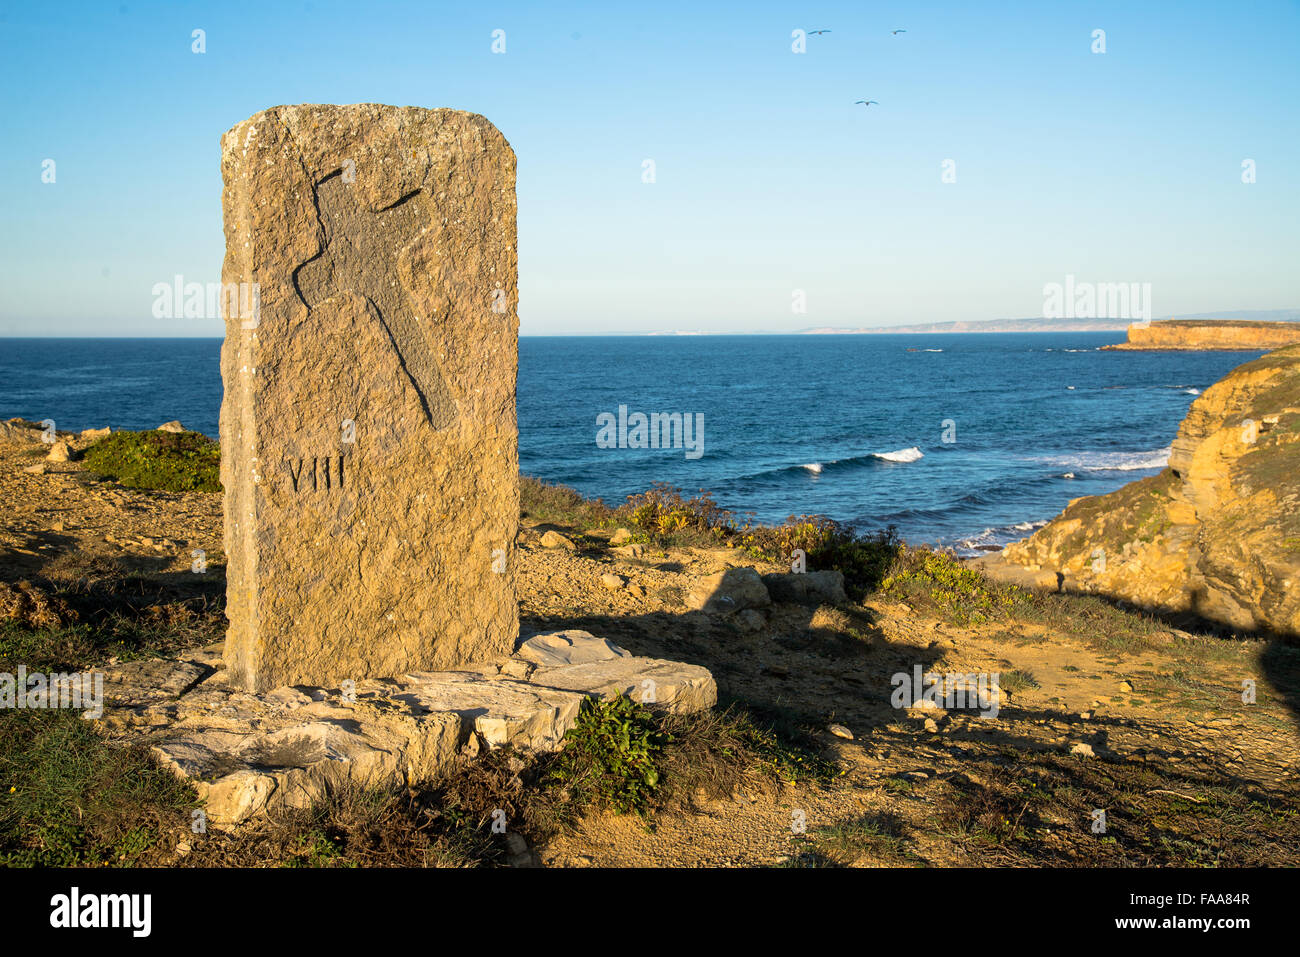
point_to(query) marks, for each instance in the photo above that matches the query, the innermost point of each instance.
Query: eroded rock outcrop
(1227, 334)
(1217, 533)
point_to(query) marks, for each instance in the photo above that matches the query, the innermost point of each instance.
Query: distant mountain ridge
(1050, 325)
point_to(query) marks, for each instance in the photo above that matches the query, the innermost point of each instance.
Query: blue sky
(1115, 167)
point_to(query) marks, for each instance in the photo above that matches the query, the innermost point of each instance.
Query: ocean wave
(993, 539)
(900, 455)
(1113, 461)
(870, 460)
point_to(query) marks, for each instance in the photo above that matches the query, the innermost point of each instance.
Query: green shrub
(943, 580)
(610, 755)
(167, 461)
(863, 559)
(663, 511)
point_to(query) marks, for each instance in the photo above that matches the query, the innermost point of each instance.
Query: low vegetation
(67, 799)
(166, 461)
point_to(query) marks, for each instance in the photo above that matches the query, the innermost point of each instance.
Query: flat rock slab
(249, 754)
(670, 685)
(559, 648)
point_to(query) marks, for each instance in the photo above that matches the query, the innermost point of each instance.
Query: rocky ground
(1102, 709)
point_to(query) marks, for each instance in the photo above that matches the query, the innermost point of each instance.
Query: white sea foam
(1192, 391)
(1113, 461)
(900, 455)
(814, 467)
(993, 539)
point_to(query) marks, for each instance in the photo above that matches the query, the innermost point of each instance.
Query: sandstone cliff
(1216, 534)
(1223, 334)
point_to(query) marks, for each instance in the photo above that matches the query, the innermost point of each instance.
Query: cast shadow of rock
(1278, 659)
(798, 673)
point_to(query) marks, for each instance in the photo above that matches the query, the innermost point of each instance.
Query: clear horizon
(771, 186)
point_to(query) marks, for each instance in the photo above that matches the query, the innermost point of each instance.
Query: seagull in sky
(897, 32)
(865, 102)
(815, 33)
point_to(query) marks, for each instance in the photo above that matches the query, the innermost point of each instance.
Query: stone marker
(368, 433)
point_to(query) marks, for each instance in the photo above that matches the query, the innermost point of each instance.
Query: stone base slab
(252, 754)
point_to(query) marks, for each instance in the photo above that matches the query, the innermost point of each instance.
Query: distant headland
(1226, 334)
(1041, 324)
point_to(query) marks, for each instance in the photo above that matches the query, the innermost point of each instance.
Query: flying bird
(814, 33)
(897, 32)
(865, 102)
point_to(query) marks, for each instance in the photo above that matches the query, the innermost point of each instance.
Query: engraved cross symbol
(360, 255)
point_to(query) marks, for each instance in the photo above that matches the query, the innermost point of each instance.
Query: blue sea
(965, 440)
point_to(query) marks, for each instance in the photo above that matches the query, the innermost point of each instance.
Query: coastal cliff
(1215, 535)
(1225, 334)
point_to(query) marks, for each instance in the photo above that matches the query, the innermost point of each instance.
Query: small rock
(840, 731)
(58, 452)
(172, 426)
(521, 854)
(638, 590)
(37, 469)
(1085, 715)
(1126, 686)
(554, 539)
(826, 587)
(620, 536)
(471, 747)
(518, 668)
(94, 435)
(612, 582)
(1083, 750)
(183, 848)
(931, 725)
(729, 591)
(751, 619)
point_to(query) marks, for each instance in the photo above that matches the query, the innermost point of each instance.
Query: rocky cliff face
(1217, 533)
(1210, 334)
